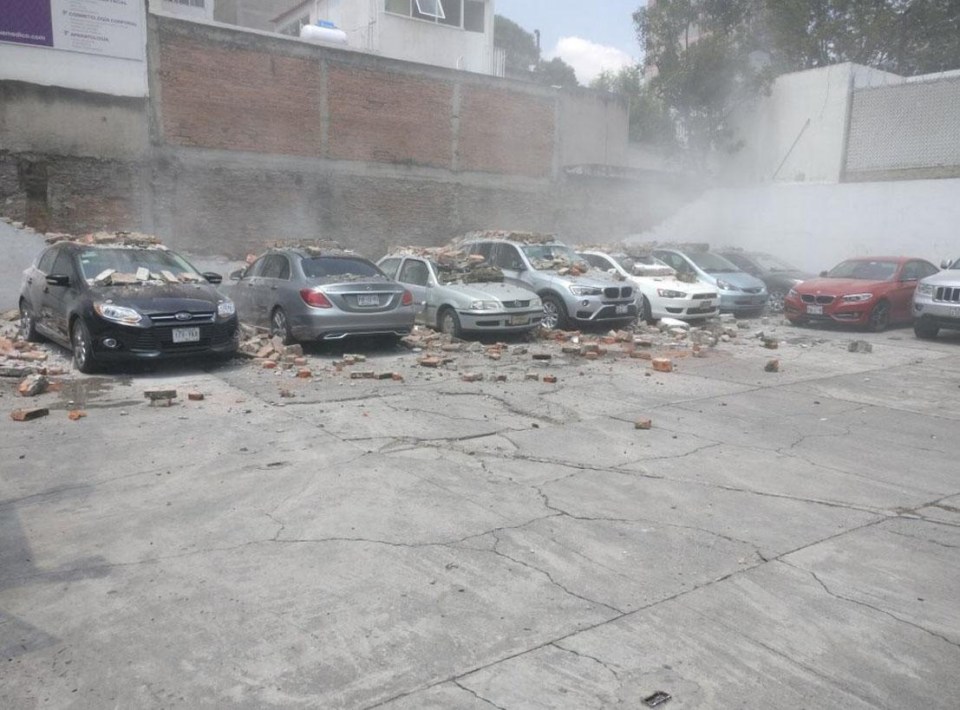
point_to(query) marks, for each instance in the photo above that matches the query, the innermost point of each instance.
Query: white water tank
(323, 33)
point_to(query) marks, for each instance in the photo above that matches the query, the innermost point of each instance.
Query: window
(597, 261)
(474, 15)
(338, 267)
(389, 267)
(275, 266)
(414, 272)
(466, 14)
(190, 3)
(63, 264)
(430, 8)
(46, 261)
(507, 257)
(482, 248)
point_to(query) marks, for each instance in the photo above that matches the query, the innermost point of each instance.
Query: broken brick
(265, 351)
(500, 378)
(641, 355)
(32, 385)
(396, 377)
(76, 415)
(592, 355)
(472, 377)
(363, 375)
(860, 346)
(542, 356)
(304, 373)
(160, 395)
(195, 396)
(643, 424)
(550, 379)
(269, 364)
(771, 343)
(299, 361)
(532, 376)
(285, 393)
(26, 415)
(662, 364)
(433, 362)
(772, 366)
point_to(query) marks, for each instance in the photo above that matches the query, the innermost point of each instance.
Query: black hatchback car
(114, 302)
(778, 275)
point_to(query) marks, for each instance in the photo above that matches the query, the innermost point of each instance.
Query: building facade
(454, 34)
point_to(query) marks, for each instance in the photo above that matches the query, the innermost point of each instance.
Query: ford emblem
(183, 315)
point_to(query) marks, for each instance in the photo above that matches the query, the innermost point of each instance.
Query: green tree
(650, 120)
(523, 56)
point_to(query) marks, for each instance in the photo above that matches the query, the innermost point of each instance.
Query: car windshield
(864, 269)
(339, 268)
(771, 263)
(125, 260)
(639, 265)
(955, 265)
(553, 256)
(712, 263)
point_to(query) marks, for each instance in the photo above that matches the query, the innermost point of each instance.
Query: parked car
(936, 302)
(869, 291)
(740, 293)
(92, 300)
(661, 295)
(304, 294)
(778, 275)
(444, 301)
(571, 292)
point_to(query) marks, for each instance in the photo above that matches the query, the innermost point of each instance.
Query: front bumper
(114, 342)
(683, 308)
(836, 312)
(333, 324)
(506, 321)
(943, 315)
(591, 310)
(739, 302)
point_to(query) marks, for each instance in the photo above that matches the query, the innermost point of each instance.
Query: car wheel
(28, 326)
(775, 302)
(280, 326)
(647, 312)
(448, 322)
(83, 358)
(879, 317)
(554, 313)
(925, 329)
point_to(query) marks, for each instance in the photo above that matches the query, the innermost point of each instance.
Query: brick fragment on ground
(160, 395)
(860, 346)
(542, 356)
(532, 376)
(195, 396)
(771, 343)
(26, 415)
(662, 364)
(304, 373)
(269, 365)
(32, 385)
(550, 379)
(500, 378)
(431, 361)
(643, 424)
(363, 375)
(76, 415)
(472, 377)
(299, 361)
(285, 393)
(385, 375)
(772, 366)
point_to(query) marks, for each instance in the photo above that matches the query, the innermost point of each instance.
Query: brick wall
(230, 98)
(389, 118)
(504, 131)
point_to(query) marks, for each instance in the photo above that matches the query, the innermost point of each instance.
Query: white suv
(936, 302)
(662, 295)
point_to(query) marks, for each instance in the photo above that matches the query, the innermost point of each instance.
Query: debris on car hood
(454, 265)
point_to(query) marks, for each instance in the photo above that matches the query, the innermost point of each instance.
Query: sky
(589, 35)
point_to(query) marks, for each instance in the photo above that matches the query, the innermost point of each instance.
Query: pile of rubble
(454, 265)
(19, 358)
(118, 238)
(507, 234)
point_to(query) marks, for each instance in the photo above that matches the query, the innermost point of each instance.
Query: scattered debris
(772, 366)
(643, 424)
(75, 415)
(550, 379)
(32, 385)
(195, 396)
(860, 346)
(304, 373)
(472, 377)
(656, 699)
(26, 415)
(662, 364)
(165, 396)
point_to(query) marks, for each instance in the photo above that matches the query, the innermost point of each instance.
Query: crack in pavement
(867, 605)
(476, 695)
(587, 656)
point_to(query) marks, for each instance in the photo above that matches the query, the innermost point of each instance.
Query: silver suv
(936, 302)
(571, 291)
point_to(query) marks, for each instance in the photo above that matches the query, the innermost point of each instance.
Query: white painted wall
(73, 70)
(817, 226)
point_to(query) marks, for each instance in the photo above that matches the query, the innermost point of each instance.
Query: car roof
(896, 259)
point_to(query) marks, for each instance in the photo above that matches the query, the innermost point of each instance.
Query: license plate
(186, 335)
(519, 320)
(706, 306)
(623, 309)
(368, 300)
(815, 310)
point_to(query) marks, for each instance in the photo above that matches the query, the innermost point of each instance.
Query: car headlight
(857, 297)
(667, 293)
(724, 285)
(117, 314)
(925, 289)
(225, 309)
(536, 303)
(585, 290)
(485, 306)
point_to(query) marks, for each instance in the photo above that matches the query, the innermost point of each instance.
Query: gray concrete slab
(781, 540)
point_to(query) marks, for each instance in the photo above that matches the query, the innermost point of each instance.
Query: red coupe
(869, 291)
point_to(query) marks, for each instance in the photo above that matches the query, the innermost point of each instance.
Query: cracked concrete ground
(777, 540)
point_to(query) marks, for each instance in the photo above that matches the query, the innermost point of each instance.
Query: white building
(456, 34)
(192, 9)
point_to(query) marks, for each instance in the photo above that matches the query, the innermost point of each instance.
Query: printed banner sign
(112, 28)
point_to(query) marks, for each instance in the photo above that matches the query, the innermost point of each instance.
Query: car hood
(594, 278)
(490, 290)
(738, 279)
(151, 298)
(839, 287)
(950, 277)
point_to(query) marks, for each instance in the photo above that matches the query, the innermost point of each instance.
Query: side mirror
(823, 274)
(58, 279)
(612, 272)
(945, 264)
(236, 275)
(213, 278)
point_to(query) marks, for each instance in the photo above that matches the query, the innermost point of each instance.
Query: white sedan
(663, 295)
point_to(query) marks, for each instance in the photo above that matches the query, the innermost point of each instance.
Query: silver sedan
(304, 295)
(454, 307)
